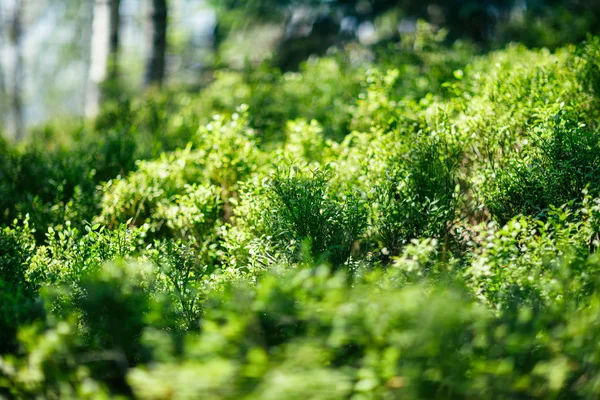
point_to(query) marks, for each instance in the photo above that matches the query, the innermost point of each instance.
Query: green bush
(306, 218)
(18, 292)
(139, 196)
(535, 263)
(554, 169)
(183, 275)
(68, 254)
(418, 195)
(95, 343)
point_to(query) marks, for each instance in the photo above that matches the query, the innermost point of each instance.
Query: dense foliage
(420, 223)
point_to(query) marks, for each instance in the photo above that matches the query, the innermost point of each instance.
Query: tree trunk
(16, 36)
(156, 63)
(113, 49)
(3, 93)
(104, 52)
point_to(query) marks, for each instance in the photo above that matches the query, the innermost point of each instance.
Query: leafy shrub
(305, 215)
(552, 170)
(588, 62)
(53, 367)
(417, 197)
(92, 337)
(248, 245)
(304, 334)
(114, 293)
(533, 262)
(18, 293)
(231, 150)
(68, 254)
(137, 197)
(182, 275)
(305, 142)
(43, 185)
(191, 215)
(324, 90)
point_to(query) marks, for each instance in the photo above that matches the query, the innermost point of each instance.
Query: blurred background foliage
(53, 49)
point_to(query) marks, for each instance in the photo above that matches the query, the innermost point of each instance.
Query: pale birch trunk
(3, 92)
(104, 52)
(16, 36)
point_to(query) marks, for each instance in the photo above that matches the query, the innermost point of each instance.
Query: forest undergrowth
(420, 222)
